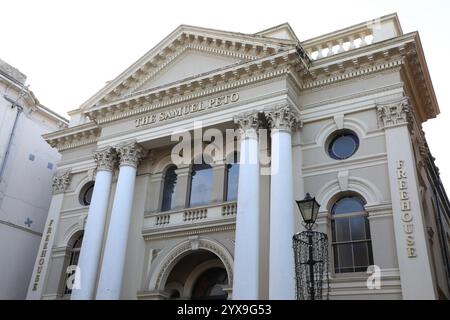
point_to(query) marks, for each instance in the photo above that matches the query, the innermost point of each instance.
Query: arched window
(86, 193)
(170, 181)
(352, 247)
(232, 179)
(73, 254)
(202, 185)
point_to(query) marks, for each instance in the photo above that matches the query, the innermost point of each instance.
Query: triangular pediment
(186, 64)
(186, 52)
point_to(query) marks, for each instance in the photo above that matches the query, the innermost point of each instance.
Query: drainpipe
(11, 136)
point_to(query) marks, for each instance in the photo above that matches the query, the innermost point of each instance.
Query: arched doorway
(199, 275)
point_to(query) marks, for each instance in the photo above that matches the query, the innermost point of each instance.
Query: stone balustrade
(182, 217)
(229, 209)
(338, 42)
(195, 214)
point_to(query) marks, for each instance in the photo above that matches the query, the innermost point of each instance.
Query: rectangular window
(50, 166)
(31, 157)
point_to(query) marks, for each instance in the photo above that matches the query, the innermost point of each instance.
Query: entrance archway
(199, 275)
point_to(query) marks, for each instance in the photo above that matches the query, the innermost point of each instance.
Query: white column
(413, 259)
(282, 219)
(95, 226)
(111, 274)
(41, 266)
(246, 252)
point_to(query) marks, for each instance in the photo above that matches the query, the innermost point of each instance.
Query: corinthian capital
(61, 182)
(248, 124)
(105, 159)
(394, 114)
(282, 118)
(130, 154)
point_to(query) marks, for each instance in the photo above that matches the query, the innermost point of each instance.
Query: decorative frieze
(130, 154)
(61, 182)
(282, 118)
(394, 114)
(248, 124)
(105, 159)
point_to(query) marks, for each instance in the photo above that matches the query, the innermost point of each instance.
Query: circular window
(343, 145)
(86, 194)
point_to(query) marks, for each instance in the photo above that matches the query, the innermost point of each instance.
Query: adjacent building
(27, 164)
(179, 178)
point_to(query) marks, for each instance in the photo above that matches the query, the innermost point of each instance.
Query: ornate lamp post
(311, 253)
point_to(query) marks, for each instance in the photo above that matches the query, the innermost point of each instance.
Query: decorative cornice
(105, 159)
(218, 42)
(282, 118)
(70, 138)
(196, 87)
(149, 236)
(61, 181)
(130, 154)
(248, 124)
(394, 114)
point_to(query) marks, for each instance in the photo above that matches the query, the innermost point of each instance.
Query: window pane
(345, 256)
(348, 205)
(343, 146)
(342, 228)
(201, 185)
(170, 181)
(358, 227)
(361, 254)
(88, 195)
(232, 181)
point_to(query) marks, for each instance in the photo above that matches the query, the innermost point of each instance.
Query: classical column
(410, 237)
(111, 274)
(41, 266)
(95, 226)
(246, 252)
(282, 219)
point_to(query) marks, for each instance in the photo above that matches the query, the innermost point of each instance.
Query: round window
(343, 145)
(86, 194)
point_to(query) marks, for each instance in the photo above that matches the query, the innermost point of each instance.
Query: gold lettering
(405, 205)
(409, 228)
(184, 110)
(407, 216)
(411, 252)
(401, 174)
(235, 97)
(404, 195)
(402, 185)
(410, 241)
(34, 286)
(400, 164)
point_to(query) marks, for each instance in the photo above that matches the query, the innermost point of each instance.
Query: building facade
(179, 178)
(27, 165)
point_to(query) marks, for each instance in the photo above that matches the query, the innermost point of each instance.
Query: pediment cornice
(229, 44)
(199, 86)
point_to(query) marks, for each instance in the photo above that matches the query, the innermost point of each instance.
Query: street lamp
(309, 208)
(311, 253)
